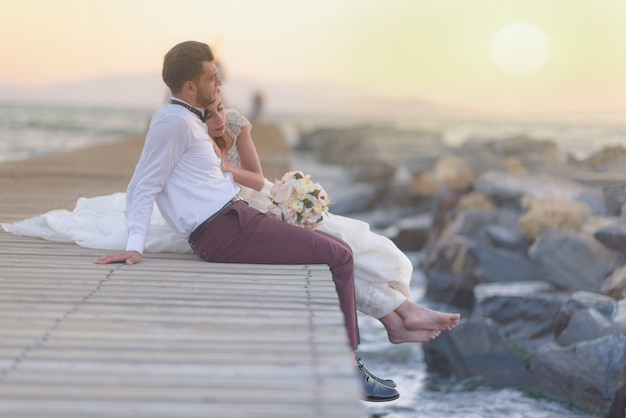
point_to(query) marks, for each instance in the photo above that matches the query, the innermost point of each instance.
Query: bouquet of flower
(298, 201)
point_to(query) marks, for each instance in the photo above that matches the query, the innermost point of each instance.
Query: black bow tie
(192, 109)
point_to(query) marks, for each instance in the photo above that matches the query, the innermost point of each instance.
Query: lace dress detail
(259, 200)
(234, 122)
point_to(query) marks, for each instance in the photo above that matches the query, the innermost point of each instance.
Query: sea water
(27, 131)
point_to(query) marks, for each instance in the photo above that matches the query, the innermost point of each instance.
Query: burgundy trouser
(244, 235)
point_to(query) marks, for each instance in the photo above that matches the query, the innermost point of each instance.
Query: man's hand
(127, 257)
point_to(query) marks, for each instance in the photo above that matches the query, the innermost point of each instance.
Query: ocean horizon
(29, 130)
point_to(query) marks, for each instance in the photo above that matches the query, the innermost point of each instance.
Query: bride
(382, 271)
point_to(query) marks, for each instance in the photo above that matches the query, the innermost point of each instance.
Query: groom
(180, 171)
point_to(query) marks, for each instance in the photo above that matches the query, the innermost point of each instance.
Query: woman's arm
(250, 174)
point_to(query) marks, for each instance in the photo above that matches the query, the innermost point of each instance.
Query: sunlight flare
(520, 50)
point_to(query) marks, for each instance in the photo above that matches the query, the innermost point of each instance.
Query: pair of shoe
(375, 389)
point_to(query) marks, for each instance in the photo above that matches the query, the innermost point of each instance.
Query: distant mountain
(145, 90)
(148, 90)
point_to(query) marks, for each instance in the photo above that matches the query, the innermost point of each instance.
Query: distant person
(258, 100)
(180, 171)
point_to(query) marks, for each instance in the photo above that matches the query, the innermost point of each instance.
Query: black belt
(197, 233)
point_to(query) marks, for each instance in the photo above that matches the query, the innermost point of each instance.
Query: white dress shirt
(180, 171)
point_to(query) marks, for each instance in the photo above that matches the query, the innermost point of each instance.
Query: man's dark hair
(184, 63)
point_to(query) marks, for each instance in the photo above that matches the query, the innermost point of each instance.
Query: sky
(440, 51)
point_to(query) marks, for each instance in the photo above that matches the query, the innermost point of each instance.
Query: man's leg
(245, 235)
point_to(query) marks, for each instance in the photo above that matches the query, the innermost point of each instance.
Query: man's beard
(204, 100)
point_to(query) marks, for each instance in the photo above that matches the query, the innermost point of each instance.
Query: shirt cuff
(136, 243)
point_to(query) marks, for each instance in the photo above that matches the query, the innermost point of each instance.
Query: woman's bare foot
(398, 333)
(419, 318)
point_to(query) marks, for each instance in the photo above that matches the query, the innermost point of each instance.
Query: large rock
(449, 173)
(509, 340)
(410, 234)
(590, 374)
(476, 348)
(610, 158)
(614, 198)
(533, 153)
(466, 254)
(357, 198)
(586, 316)
(551, 212)
(573, 261)
(615, 284)
(613, 237)
(507, 189)
(512, 239)
(524, 311)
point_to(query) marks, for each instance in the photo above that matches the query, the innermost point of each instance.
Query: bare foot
(418, 318)
(398, 333)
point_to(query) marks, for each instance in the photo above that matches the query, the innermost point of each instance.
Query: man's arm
(158, 157)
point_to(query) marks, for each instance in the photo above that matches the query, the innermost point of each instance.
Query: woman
(382, 271)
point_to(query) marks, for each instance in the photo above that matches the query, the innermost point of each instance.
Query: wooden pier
(173, 336)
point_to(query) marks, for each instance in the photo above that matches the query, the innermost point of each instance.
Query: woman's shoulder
(235, 120)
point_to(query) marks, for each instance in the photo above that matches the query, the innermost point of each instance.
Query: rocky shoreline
(526, 240)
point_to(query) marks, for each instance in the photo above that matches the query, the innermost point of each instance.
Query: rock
(584, 325)
(573, 261)
(454, 174)
(410, 234)
(532, 153)
(356, 198)
(464, 255)
(507, 189)
(606, 306)
(490, 264)
(590, 375)
(524, 312)
(515, 165)
(614, 198)
(374, 171)
(425, 185)
(470, 223)
(475, 348)
(479, 157)
(379, 218)
(551, 212)
(475, 200)
(620, 316)
(615, 285)
(595, 223)
(512, 239)
(490, 290)
(467, 263)
(607, 159)
(586, 316)
(613, 237)
(445, 287)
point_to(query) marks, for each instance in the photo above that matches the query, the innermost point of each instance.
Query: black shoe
(388, 383)
(374, 391)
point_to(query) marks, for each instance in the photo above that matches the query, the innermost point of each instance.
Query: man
(180, 170)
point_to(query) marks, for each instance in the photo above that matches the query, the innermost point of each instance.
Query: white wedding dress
(382, 272)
